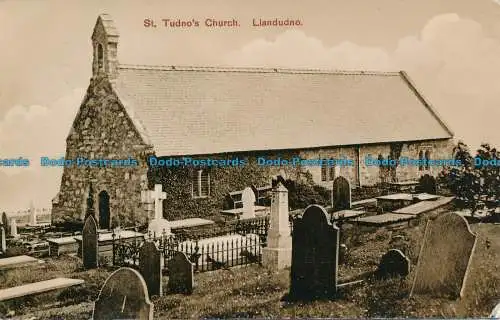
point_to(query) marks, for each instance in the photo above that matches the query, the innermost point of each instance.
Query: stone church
(170, 112)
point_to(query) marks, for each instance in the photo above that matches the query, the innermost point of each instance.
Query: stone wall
(102, 130)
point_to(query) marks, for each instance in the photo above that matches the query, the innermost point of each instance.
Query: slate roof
(196, 110)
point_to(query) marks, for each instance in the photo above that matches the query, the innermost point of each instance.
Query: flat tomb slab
(38, 287)
(372, 202)
(384, 219)
(192, 222)
(18, 261)
(259, 211)
(347, 214)
(58, 246)
(397, 196)
(108, 236)
(424, 206)
(426, 196)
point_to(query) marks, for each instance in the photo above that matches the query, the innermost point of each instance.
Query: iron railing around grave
(205, 254)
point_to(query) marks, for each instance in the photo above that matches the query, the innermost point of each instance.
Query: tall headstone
(341, 194)
(13, 228)
(124, 295)
(159, 225)
(248, 200)
(278, 252)
(3, 240)
(315, 254)
(32, 219)
(180, 274)
(428, 184)
(393, 264)
(445, 257)
(90, 243)
(150, 267)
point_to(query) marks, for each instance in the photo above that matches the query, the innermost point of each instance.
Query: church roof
(197, 110)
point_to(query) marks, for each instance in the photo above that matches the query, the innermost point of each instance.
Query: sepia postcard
(249, 159)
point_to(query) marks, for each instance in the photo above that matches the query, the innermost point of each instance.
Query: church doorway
(104, 218)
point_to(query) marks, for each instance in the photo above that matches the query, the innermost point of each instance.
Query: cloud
(451, 60)
(31, 132)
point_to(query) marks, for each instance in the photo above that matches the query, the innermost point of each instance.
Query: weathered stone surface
(393, 264)
(278, 253)
(445, 257)
(180, 274)
(3, 236)
(315, 254)
(341, 194)
(150, 259)
(98, 111)
(90, 247)
(248, 199)
(124, 295)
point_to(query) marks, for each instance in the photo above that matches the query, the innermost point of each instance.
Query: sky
(449, 48)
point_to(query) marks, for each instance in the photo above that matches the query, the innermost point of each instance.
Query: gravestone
(248, 200)
(180, 274)
(445, 256)
(5, 221)
(13, 228)
(124, 295)
(150, 267)
(315, 254)
(393, 264)
(278, 252)
(341, 194)
(427, 184)
(32, 218)
(3, 242)
(90, 247)
(495, 314)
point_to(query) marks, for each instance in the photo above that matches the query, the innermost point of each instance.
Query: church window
(427, 157)
(200, 184)
(327, 172)
(420, 163)
(100, 57)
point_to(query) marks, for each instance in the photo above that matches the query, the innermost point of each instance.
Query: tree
(476, 181)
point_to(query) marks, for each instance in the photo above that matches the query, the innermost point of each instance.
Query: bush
(15, 251)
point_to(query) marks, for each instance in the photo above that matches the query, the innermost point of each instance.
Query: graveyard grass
(252, 291)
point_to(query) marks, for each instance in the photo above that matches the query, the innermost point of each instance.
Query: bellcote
(105, 47)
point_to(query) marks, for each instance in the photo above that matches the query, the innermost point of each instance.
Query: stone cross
(158, 195)
(248, 199)
(13, 228)
(278, 253)
(158, 225)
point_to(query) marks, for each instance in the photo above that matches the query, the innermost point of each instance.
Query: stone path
(424, 206)
(38, 287)
(18, 261)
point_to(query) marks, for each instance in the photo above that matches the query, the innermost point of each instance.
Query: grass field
(253, 291)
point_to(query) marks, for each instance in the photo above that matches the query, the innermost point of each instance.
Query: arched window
(200, 184)
(100, 57)
(427, 157)
(420, 158)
